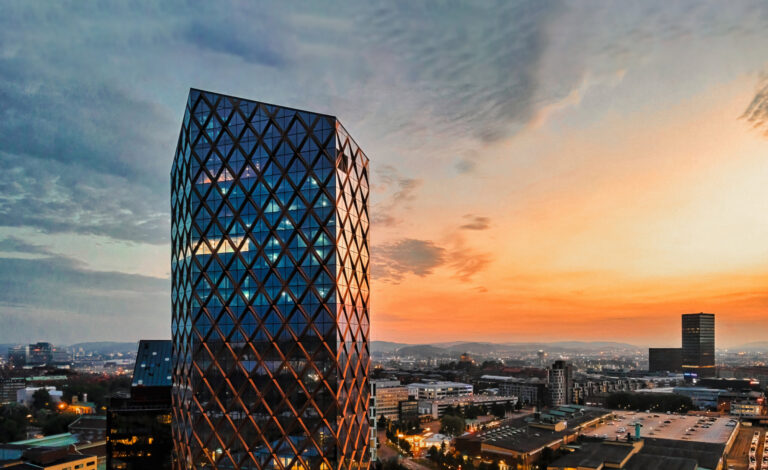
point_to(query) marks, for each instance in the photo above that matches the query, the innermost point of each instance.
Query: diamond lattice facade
(270, 289)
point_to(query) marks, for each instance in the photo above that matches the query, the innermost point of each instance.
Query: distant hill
(754, 346)
(422, 350)
(484, 349)
(386, 346)
(107, 347)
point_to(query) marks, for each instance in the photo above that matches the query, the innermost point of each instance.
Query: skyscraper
(699, 344)
(560, 390)
(270, 289)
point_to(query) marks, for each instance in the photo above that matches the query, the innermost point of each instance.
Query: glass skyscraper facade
(699, 344)
(270, 289)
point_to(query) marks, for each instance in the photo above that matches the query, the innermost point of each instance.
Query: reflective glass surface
(270, 289)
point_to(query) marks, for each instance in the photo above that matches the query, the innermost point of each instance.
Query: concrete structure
(438, 390)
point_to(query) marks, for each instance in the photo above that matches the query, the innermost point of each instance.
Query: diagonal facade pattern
(270, 289)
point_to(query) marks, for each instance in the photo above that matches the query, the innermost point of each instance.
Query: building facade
(560, 390)
(270, 289)
(699, 344)
(437, 390)
(139, 426)
(665, 359)
(387, 395)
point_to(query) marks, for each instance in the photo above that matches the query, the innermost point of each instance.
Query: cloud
(467, 263)
(71, 302)
(400, 190)
(407, 256)
(17, 245)
(472, 65)
(235, 37)
(476, 222)
(393, 261)
(757, 111)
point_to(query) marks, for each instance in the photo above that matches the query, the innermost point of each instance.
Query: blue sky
(483, 122)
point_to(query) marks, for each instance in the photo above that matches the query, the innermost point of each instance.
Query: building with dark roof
(522, 441)
(643, 454)
(139, 425)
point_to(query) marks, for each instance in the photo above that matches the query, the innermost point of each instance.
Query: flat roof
(680, 427)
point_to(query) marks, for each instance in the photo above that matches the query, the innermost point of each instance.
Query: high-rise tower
(270, 289)
(699, 344)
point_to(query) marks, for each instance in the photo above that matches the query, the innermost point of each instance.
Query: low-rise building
(520, 442)
(438, 390)
(387, 395)
(437, 408)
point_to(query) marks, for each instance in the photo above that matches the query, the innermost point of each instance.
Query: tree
(41, 400)
(452, 425)
(383, 422)
(499, 410)
(13, 423)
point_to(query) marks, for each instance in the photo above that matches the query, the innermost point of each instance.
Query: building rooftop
(153, 364)
(56, 440)
(528, 434)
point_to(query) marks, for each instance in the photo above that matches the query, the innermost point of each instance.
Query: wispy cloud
(757, 111)
(476, 222)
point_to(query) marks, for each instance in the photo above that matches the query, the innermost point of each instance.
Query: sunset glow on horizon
(540, 171)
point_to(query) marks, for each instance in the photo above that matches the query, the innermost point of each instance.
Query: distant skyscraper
(270, 289)
(560, 388)
(699, 344)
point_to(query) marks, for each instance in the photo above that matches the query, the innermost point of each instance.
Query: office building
(9, 387)
(270, 289)
(699, 344)
(437, 390)
(139, 425)
(437, 407)
(387, 394)
(560, 390)
(665, 359)
(38, 355)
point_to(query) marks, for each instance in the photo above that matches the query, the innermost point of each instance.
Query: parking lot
(663, 426)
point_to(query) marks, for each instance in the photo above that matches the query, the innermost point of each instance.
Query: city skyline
(572, 173)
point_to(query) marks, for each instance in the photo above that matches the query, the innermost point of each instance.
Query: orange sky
(612, 231)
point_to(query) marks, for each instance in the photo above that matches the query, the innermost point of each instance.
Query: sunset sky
(541, 170)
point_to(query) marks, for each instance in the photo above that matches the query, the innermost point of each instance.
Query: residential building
(560, 384)
(529, 391)
(699, 344)
(437, 390)
(270, 288)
